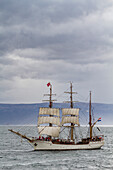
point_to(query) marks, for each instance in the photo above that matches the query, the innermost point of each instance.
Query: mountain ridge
(24, 114)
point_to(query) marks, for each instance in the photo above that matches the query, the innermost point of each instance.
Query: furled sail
(70, 111)
(51, 131)
(46, 119)
(49, 111)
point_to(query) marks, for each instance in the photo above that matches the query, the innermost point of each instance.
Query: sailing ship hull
(48, 145)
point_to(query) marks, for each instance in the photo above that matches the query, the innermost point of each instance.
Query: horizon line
(36, 125)
(53, 103)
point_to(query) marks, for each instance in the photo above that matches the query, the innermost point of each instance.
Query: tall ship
(52, 122)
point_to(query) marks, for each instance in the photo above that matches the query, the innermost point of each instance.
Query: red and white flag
(48, 84)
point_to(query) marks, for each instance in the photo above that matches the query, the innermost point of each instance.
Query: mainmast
(71, 97)
(71, 105)
(90, 118)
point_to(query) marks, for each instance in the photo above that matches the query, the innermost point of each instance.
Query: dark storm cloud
(60, 25)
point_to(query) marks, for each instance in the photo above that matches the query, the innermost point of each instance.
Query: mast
(50, 98)
(71, 105)
(71, 98)
(90, 118)
(50, 101)
(91, 125)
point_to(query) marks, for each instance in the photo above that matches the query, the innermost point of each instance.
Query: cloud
(56, 40)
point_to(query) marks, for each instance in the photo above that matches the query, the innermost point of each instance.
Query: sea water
(17, 154)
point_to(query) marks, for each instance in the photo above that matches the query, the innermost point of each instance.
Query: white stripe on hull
(48, 145)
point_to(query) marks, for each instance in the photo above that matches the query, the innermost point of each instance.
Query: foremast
(49, 118)
(50, 98)
(50, 102)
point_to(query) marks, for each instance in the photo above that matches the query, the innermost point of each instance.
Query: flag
(48, 84)
(99, 119)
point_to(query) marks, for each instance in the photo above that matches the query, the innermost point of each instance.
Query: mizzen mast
(90, 118)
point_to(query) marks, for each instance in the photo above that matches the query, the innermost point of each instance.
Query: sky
(56, 41)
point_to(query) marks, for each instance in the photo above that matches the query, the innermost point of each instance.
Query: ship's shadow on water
(19, 155)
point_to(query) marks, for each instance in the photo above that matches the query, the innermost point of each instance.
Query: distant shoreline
(80, 126)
